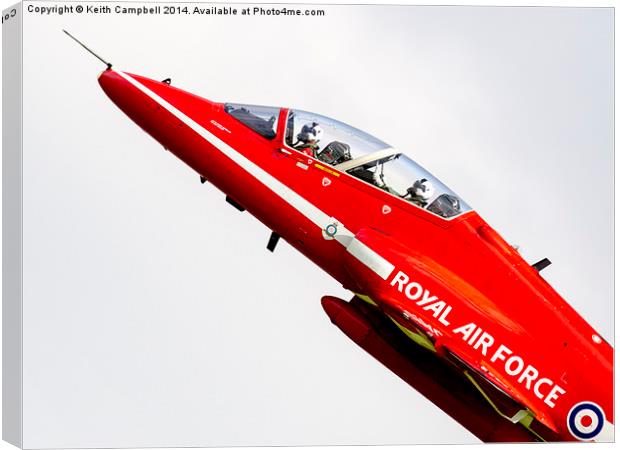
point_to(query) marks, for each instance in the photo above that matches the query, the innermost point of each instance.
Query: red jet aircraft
(438, 294)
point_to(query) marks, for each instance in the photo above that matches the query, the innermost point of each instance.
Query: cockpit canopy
(375, 162)
(357, 153)
(402, 177)
(358, 142)
(262, 119)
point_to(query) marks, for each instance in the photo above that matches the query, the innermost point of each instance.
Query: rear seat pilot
(421, 192)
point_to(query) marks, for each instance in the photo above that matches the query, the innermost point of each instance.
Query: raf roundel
(585, 420)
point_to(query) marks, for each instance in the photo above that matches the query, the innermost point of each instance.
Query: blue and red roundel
(585, 420)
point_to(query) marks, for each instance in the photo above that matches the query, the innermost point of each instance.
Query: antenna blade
(88, 49)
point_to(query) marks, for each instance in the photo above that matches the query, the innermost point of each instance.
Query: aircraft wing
(440, 380)
(418, 350)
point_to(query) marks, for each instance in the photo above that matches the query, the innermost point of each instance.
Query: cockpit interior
(355, 152)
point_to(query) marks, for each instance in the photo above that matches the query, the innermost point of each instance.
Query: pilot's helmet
(311, 133)
(423, 189)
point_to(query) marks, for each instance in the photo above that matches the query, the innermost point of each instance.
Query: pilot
(308, 139)
(420, 193)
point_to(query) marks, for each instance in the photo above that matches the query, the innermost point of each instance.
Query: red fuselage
(455, 280)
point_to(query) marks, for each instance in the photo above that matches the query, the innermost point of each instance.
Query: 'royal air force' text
(498, 354)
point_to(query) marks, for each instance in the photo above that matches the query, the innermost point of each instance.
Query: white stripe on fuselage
(358, 249)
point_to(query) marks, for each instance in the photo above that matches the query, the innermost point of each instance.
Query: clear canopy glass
(402, 177)
(373, 161)
(262, 119)
(356, 142)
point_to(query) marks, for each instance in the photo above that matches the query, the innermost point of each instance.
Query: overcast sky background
(153, 314)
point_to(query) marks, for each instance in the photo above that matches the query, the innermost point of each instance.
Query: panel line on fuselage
(344, 236)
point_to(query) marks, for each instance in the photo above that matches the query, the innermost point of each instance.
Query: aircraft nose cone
(136, 96)
(152, 105)
(131, 100)
(113, 85)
